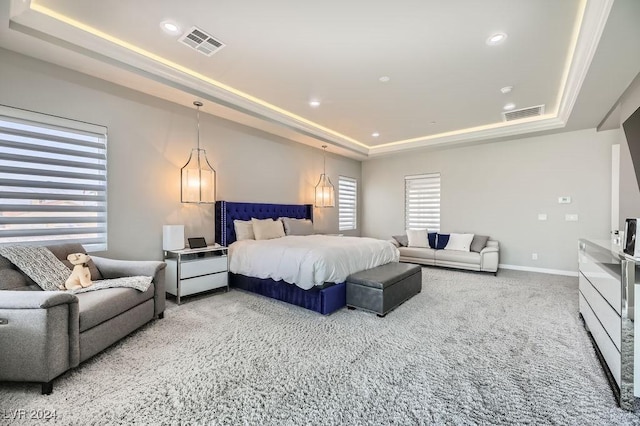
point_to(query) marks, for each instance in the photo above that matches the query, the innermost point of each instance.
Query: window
(347, 203)
(53, 180)
(422, 201)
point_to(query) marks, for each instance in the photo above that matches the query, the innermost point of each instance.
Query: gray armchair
(45, 333)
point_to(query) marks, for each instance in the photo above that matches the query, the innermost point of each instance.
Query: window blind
(422, 201)
(53, 180)
(347, 203)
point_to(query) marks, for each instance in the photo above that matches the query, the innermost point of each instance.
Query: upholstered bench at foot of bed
(383, 288)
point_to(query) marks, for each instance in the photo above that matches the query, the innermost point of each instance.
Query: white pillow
(297, 226)
(267, 229)
(461, 242)
(244, 230)
(418, 238)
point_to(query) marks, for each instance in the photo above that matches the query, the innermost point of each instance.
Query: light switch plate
(571, 217)
(542, 216)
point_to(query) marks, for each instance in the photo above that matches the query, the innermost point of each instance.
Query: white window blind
(53, 180)
(347, 203)
(422, 201)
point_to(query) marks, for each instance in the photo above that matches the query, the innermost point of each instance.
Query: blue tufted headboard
(227, 212)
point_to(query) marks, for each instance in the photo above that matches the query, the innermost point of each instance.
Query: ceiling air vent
(199, 40)
(518, 114)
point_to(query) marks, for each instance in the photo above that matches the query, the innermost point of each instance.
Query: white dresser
(606, 289)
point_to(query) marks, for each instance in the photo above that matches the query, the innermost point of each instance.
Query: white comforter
(309, 260)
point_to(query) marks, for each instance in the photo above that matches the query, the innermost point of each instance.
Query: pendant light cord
(198, 104)
(198, 121)
(324, 160)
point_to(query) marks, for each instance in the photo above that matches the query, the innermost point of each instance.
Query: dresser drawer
(607, 284)
(608, 317)
(198, 267)
(607, 348)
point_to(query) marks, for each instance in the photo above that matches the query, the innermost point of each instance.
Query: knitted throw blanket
(46, 270)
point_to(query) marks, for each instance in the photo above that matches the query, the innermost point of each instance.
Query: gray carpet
(470, 349)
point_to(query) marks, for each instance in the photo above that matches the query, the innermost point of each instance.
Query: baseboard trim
(540, 270)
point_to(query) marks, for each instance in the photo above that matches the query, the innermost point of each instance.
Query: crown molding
(531, 126)
(594, 19)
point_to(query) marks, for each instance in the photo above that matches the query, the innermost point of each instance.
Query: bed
(325, 298)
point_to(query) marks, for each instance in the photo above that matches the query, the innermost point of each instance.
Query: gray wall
(498, 190)
(150, 140)
(629, 191)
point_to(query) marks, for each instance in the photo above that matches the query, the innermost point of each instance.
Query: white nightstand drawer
(197, 267)
(204, 283)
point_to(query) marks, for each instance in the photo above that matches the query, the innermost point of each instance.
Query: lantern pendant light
(324, 189)
(197, 176)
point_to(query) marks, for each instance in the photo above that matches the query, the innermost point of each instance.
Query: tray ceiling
(387, 76)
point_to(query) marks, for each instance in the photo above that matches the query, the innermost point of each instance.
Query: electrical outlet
(571, 217)
(534, 256)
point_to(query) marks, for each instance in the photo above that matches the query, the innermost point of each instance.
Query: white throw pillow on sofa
(417, 238)
(460, 242)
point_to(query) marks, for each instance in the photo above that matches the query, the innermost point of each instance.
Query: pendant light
(198, 177)
(324, 188)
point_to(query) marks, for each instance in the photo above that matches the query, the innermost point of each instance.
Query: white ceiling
(445, 81)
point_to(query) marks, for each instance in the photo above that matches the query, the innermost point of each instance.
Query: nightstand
(192, 271)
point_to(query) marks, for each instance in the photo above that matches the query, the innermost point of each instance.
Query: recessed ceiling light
(314, 103)
(375, 134)
(509, 106)
(384, 79)
(170, 27)
(496, 39)
(506, 89)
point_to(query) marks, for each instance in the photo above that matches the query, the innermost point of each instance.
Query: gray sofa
(45, 333)
(486, 260)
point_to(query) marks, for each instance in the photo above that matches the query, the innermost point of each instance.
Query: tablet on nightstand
(197, 242)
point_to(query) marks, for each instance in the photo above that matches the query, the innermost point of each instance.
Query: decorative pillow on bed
(267, 229)
(244, 230)
(460, 242)
(479, 242)
(297, 226)
(417, 238)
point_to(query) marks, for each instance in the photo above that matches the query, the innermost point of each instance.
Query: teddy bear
(81, 275)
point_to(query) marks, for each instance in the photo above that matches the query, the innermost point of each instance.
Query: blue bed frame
(323, 300)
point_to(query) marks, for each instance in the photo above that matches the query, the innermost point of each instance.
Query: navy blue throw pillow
(443, 239)
(432, 239)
